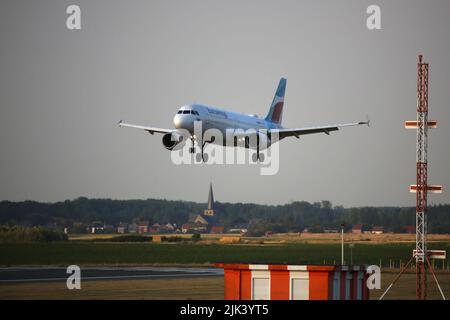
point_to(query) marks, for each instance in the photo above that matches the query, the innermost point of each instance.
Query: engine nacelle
(173, 140)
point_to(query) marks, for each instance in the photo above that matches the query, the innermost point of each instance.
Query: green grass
(82, 253)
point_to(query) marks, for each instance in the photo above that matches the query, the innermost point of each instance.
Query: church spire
(210, 209)
(210, 198)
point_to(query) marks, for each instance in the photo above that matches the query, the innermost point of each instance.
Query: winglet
(120, 123)
(365, 122)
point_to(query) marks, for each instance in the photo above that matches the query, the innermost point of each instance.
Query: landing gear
(192, 148)
(202, 156)
(258, 156)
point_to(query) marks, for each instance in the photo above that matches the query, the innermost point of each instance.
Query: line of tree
(294, 216)
(17, 234)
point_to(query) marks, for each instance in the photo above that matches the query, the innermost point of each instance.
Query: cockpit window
(187, 112)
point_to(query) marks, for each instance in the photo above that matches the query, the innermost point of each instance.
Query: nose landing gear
(192, 148)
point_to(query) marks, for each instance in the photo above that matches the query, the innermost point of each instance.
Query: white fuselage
(215, 118)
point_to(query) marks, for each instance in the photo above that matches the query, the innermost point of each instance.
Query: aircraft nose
(183, 121)
(177, 121)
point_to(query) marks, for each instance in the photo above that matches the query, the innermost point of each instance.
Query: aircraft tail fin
(276, 108)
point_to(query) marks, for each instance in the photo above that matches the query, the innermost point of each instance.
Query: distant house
(199, 228)
(96, 230)
(200, 219)
(96, 227)
(166, 228)
(202, 222)
(357, 228)
(238, 228)
(122, 228)
(193, 228)
(153, 230)
(217, 229)
(377, 230)
(169, 226)
(409, 229)
(185, 228)
(330, 230)
(132, 228)
(143, 227)
(108, 228)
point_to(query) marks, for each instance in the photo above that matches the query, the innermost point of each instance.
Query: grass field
(85, 253)
(293, 237)
(156, 289)
(92, 253)
(185, 289)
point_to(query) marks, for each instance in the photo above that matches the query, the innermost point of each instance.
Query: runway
(48, 274)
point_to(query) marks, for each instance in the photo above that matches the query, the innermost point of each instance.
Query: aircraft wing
(151, 130)
(297, 132)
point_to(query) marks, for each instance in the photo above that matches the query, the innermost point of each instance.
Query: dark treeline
(294, 216)
(35, 234)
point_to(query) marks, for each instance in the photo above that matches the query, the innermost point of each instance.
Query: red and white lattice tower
(421, 188)
(421, 256)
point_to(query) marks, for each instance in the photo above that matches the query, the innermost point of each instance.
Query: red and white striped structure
(421, 188)
(421, 255)
(434, 254)
(294, 282)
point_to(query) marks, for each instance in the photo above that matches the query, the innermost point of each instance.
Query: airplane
(238, 123)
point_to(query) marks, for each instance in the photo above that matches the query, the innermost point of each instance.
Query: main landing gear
(202, 156)
(258, 156)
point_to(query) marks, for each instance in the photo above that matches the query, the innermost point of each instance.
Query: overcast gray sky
(62, 93)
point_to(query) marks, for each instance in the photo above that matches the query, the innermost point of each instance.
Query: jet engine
(173, 139)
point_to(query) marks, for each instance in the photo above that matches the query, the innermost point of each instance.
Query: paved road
(44, 274)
